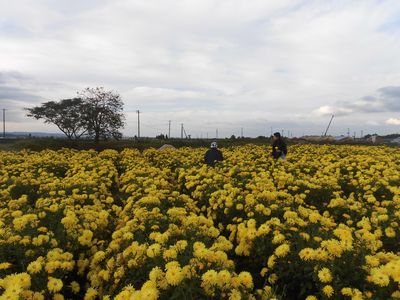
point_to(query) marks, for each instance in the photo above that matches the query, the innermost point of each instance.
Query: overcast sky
(208, 64)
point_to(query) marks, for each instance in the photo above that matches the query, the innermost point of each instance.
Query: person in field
(213, 155)
(279, 148)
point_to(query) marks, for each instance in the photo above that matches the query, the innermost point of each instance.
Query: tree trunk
(97, 138)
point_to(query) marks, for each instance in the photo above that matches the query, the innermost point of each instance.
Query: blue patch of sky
(391, 27)
(11, 29)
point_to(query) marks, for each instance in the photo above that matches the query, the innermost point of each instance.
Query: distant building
(396, 141)
(317, 138)
(342, 138)
(373, 138)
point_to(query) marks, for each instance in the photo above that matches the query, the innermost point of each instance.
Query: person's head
(276, 136)
(214, 145)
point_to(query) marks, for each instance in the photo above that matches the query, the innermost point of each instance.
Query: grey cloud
(390, 97)
(17, 94)
(364, 106)
(390, 91)
(17, 91)
(16, 115)
(369, 98)
(13, 87)
(227, 58)
(11, 76)
(387, 99)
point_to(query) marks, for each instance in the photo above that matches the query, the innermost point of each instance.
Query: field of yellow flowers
(324, 224)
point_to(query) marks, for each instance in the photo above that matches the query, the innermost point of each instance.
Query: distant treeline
(38, 144)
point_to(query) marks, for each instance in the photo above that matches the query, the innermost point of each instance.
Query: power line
(143, 124)
(156, 121)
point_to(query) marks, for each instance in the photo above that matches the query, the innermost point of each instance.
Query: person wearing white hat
(213, 155)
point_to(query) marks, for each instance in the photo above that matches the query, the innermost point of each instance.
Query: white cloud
(331, 110)
(271, 60)
(393, 121)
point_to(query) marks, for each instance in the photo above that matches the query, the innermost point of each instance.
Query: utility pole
(241, 132)
(362, 133)
(169, 129)
(216, 133)
(181, 130)
(207, 135)
(138, 123)
(4, 123)
(271, 131)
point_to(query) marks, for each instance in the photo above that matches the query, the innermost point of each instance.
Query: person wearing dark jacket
(212, 155)
(279, 148)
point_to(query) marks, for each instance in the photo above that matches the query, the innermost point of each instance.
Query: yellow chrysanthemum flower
(325, 275)
(328, 290)
(54, 284)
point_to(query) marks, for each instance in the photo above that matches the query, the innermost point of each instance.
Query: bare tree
(103, 113)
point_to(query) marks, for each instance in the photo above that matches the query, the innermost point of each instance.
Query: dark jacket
(212, 155)
(278, 148)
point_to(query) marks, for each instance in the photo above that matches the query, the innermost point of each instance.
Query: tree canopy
(96, 113)
(66, 114)
(103, 113)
